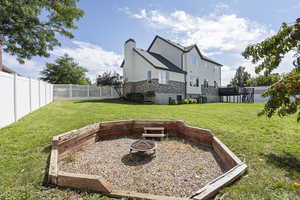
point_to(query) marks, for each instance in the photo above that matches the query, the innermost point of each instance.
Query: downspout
(185, 83)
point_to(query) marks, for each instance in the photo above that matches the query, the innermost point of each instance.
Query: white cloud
(93, 57)
(210, 33)
(30, 68)
(226, 74)
(217, 34)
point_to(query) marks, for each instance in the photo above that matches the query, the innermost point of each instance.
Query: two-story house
(171, 70)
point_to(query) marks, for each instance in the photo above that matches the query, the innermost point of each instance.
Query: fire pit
(143, 146)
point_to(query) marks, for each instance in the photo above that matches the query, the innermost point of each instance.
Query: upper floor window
(192, 60)
(194, 81)
(205, 83)
(163, 77)
(149, 76)
(216, 69)
(215, 84)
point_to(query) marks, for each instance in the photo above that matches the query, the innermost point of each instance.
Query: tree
(110, 79)
(29, 28)
(240, 78)
(263, 80)
(268, 54)
(65, 71)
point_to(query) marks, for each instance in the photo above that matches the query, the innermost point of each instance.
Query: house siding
(202, 70)
(136, 67)
(168, 51)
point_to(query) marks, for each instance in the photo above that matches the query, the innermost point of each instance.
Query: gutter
(185, 74)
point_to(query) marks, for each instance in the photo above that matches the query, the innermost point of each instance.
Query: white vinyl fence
(77, 92)
(20, 96)
(258, 91)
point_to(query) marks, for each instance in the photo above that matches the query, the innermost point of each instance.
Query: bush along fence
(77, 92)
(20, 96)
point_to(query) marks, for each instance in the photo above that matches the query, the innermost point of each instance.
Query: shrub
(194, 101)
(190, 101)
(181, 102)
(137, 97)
(186, 101)
(149, 94)
(173, 102)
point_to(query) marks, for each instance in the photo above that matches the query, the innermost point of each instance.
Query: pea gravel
(178, 168)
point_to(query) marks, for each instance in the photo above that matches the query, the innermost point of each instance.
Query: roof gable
(182, 48)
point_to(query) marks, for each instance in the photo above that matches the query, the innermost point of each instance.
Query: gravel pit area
(178, 168)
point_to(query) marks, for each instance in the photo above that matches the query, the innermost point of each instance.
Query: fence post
(111, 92)
(70, 92)
(100, 91)
(15, 97)
(88, 90)
(39, 93)
(45, 84)
(30, 100)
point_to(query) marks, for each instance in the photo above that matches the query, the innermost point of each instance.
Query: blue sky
(221, 29)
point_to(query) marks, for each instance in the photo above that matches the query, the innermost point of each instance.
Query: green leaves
(65, 71)
(284, 94)
(29, 28)
(241, 77)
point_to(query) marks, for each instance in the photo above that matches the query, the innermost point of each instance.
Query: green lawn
(270, 147)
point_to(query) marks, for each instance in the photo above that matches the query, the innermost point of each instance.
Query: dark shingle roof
(171, 66)
(158, 61)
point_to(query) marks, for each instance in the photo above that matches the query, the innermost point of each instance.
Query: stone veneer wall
(174, 87)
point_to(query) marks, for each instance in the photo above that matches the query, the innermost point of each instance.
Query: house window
(163, 77)
(179, 98)
(216, 69)
(205, 83)
(192, 60)
(197, 82)
(215, 84)
(194, 81)
(149, 77)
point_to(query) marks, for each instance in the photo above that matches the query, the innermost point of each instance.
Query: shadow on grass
(287, 161)
(116, 101)
(46, 170)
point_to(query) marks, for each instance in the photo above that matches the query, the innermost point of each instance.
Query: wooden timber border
(72, 141)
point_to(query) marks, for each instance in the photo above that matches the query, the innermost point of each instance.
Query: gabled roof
(183, 49)
(158, 61)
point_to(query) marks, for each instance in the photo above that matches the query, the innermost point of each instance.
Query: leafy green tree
(263, 80)
(110, 79)
(268, 54)
(65, 71)
(240, 78)
(29, 28)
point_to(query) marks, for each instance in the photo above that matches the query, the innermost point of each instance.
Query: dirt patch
(178, 168)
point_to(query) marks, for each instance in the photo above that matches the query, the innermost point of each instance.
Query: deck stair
(154, 132)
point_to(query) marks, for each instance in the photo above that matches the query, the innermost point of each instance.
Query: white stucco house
(171, 70)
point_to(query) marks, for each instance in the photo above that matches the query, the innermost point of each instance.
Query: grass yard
(270, 147)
